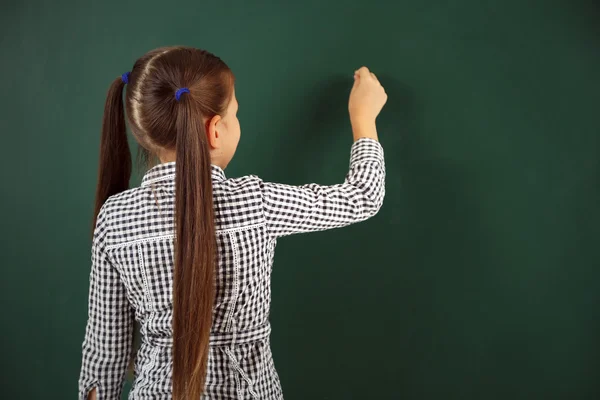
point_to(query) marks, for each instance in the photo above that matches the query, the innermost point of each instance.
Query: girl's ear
(212, 132)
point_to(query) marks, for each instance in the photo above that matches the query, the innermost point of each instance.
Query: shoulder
(245, 187)
(245, 183)
(238, 202)
(126, 199)
(118, 204)
(117, 209)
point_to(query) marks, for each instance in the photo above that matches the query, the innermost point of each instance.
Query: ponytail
(195, 255)
(164, 118)
(115, 159)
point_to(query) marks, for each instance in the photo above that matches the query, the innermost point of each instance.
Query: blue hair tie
(181, 91)
(125, 77)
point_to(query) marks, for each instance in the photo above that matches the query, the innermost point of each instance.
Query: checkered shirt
(132, 275)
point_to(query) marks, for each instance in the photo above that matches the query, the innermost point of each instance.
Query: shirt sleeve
(312, 207)
(108, 336)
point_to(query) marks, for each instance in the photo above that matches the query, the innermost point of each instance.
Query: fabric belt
(224, 338)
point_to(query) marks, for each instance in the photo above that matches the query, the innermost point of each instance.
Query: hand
(367, 97)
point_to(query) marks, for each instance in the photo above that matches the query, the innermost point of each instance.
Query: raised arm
(296, 209)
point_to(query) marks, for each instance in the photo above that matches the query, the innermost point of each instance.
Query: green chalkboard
(479, 278)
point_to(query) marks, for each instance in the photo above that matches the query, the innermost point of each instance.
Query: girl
(188, 254)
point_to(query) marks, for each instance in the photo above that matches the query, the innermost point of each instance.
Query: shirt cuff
(366, 150)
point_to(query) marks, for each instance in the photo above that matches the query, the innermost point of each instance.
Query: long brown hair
(159, 122)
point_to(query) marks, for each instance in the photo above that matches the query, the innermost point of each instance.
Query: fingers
(363, 72)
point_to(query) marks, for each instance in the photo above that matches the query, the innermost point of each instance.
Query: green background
(479, 278)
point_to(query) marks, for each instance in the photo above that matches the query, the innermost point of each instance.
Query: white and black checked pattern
(132, 273)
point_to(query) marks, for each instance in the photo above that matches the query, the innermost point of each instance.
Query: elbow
(373, 198)
(371, 205)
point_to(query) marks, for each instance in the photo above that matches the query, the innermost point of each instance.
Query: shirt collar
(165, 172)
